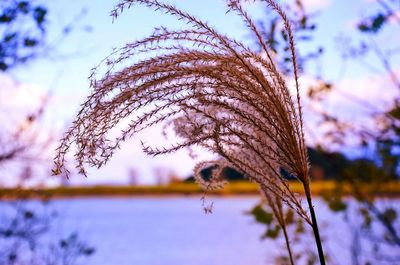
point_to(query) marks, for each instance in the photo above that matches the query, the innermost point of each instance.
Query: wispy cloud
(354, 101)
(18, 99)
(17, 94)
(316, 5)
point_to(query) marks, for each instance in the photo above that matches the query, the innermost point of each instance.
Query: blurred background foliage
(23, 28)
(26, 235)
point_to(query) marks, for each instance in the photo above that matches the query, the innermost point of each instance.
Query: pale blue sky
(66, 74)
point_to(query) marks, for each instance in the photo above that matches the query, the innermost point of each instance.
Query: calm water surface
(176, 231)
(165, 231)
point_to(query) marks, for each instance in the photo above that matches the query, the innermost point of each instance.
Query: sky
(64, 72)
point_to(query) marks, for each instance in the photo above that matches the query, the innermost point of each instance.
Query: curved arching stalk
(214, 91)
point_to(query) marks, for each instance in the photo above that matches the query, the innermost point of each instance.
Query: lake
(176, 230)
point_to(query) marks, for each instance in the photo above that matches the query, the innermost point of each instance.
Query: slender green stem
(314, 224)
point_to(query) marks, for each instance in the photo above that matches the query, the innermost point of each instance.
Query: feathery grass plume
(213, 90)
(276, 206)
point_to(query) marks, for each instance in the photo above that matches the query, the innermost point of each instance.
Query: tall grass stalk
(276, 206)
(214, 91)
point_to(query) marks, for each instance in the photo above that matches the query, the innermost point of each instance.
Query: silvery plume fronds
(216, 92)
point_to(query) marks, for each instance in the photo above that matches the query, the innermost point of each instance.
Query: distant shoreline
(391, 189)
